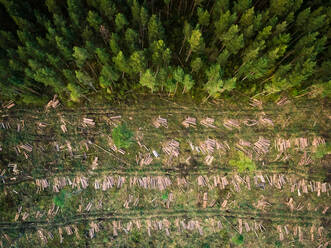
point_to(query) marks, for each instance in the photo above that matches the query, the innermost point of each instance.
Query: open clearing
(212, 173)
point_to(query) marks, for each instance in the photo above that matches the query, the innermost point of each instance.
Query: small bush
(60, 199)
(122, 136)
(242, 163)
(238, 239)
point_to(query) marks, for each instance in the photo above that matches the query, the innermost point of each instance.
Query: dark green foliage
(79, 48)
(122, 136)
(238, 239)
(61, 198)
(165, 196)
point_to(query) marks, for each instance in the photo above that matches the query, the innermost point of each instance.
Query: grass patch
(322, 150)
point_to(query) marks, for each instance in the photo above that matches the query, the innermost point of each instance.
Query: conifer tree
(203, 17)
(113, 43)
(196, 64)
(188, 83)
(76, 12)
(94, 20)
(121, 62)
(137, 62)
(215, 83)
(108, 76)
(196, 42)
(148, 79)
(81, 55)
(120, 21)
(232, 40)
(155, 29)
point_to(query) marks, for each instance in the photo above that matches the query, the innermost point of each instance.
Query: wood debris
(69, 147)
(208, 122)
(250, 122)
(94, 228)
(261, 146)
(89, 122)
(145, 159)
(205, 200)
(42, 237)
(282, 144)
(157, 182)
(209, 159)
(301, 143)
(26, 147)
(305, 159)
(68, 230)
(231, 123)
(240, 226)
(189, 121)
(64, 128)
(203, 180)
(88, 207)
(317, 141)
(108, 183)
(171, 148)
(281, 234)
(325, 210)
(262, 203)
(160, 122)
(60, 234)
(94, 163)
(114, 223)
(265, 121)
(52, 103)
(245, 146)
(208, 146)
(9, 104)
(25, 215)
(76, 231)
(169, 200)
(42, 184)
(128, 201)
(282, 101)
(256, 103)
(312, 230)
(247, 227)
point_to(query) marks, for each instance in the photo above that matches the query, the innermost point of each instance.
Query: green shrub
(238, 239)
(242, 162)
(60, 199)
(122, 136)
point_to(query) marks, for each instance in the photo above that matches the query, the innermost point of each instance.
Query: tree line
(80, 49)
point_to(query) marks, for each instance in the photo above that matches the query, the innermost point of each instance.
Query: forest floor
(214, 175)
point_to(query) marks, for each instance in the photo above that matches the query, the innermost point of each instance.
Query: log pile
(265, 121)
(189, 122)
(261, 146)
(171, 148)
(231, 123)
(8, 105)
(88, 122)
(52, 103)
(160, 122)
(282, 101)
(208, 122)
(301, 143)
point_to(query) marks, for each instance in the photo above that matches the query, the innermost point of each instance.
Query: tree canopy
(80, 48)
